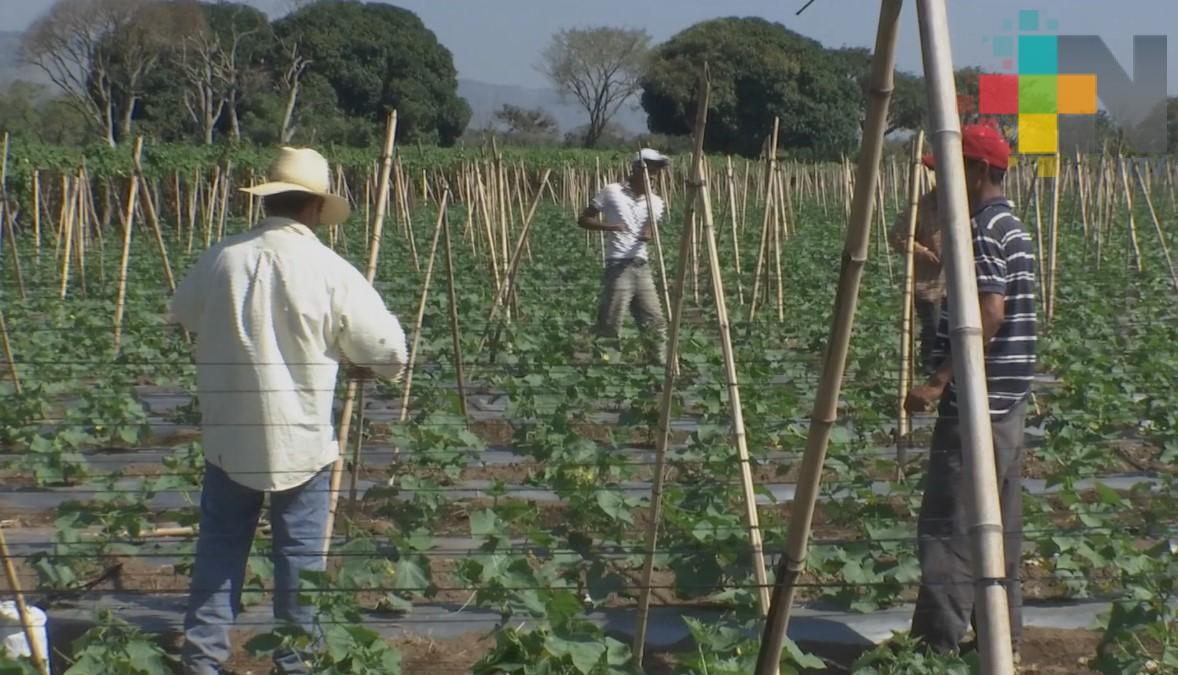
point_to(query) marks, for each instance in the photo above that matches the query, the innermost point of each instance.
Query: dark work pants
(928, 313)
(944, 606)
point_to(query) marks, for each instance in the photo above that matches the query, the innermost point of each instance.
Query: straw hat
(303, 170)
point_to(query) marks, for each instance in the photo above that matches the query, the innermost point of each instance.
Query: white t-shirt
(618, 205)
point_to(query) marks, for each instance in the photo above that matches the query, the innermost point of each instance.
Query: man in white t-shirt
(621, 211)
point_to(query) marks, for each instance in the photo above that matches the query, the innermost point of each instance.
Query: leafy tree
(599, 67)
(906, 110)
(758, 70)
(519, 120)
(28, 111)
(378, 57)
(101, 53)
(210, 75)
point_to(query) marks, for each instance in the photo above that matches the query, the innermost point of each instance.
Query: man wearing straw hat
(275, 312)
(622, 211)
(1004, 264)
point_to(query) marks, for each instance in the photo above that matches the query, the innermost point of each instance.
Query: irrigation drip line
(555, 466)
(851, 585)
(539, 549)
(492, 489)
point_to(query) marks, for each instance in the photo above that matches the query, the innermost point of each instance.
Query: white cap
(649, 155)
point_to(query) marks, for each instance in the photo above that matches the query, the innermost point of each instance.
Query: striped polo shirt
(1005, 264)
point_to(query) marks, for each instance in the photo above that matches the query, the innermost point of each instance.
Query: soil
(1045, 651)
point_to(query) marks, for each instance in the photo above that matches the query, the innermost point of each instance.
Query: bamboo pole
(31, 635)
(504, 293)
(902, 419)
(730, 182)
(965, 334)
(1135, 251)
(37, 217)
(14, 249)
(1053, 241)
(455, 329)
(1157, 226)
(654, 227)
(766, 216)
(382, 203)
(825, 411)
(153, 222)
(752, 520)
(125, 255)
(8, 356)
(429, 272)
(662, 436)
(70, 206)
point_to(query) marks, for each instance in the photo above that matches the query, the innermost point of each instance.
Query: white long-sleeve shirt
(274, 311)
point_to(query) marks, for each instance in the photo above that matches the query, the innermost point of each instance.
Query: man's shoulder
(998, 217)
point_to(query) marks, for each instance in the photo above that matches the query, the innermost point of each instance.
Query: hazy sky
(499, 41)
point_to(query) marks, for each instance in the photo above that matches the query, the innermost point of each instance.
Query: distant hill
(485, 99)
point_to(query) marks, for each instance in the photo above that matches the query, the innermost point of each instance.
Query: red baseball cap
(982, 142)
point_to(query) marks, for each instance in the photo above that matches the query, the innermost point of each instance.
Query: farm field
(501, 508)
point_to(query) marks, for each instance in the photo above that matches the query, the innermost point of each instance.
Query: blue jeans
(228, 517)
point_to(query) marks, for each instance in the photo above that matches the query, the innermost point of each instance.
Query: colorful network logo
(1051, 84)
(1037, 93)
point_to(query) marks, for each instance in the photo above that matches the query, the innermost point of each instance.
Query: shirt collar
(280, 221)
(992, 202)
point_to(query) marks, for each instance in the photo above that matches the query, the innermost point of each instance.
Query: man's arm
(993, 309)
(188, 302)
(591, 220)
(368, 335)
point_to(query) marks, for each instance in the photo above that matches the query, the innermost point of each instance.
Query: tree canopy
(378, 57)
(758, 70)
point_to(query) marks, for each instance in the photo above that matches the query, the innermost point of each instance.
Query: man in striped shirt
(1005, 266)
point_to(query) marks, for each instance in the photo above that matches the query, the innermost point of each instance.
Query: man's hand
(927, 255)
(921, 398)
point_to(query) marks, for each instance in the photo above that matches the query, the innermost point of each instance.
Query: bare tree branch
(599, 67)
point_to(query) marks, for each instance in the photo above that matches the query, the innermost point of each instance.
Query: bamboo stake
(902, 420)
(1135, 252)
(1053, 246)
(662, 436)
(382, 203)
(37, 217)
(429, 272)
(729, 180)
(752, 520)
(654, 228)
(26, 623)
(455, 332)
(766, 216)
(153, 222)
(825, 411)
(14, 249)
(68, 238)
(8, 356)
(1157, 226)
(504, 293)
(125, 255)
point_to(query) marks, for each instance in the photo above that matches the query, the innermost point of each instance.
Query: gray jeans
(228, 517)
(627, 285)
(928, 313)
(944, 606)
